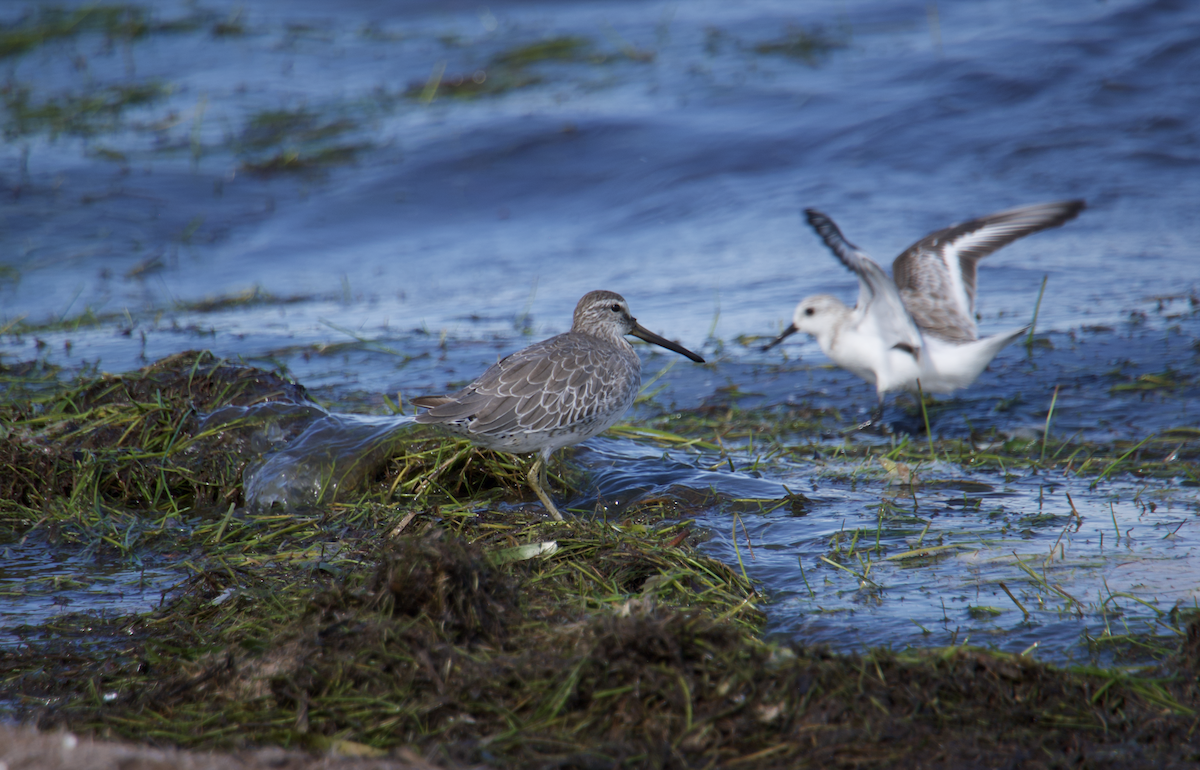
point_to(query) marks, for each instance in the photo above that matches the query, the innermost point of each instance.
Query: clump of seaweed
(564, 659)
(114, 458)
(300, 160)
(803, 433)
(810, 46)
(125, 321)
(1168, 380)
(481, 82)
(50, 23)
(272, 127)
(277, 141)
(133, 439)
(568, 48)
(447, 580)
(117, 22)
(87, 114)
(508, 70)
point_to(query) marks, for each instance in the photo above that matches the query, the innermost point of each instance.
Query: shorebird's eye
(809, 311)
(615, 308)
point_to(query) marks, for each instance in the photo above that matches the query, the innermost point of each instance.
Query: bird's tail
(971, 358)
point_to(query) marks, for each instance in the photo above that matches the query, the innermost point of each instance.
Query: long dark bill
(643, 333)
(786, 333)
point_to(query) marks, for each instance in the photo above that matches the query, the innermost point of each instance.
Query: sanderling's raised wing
(879, 303)
(936, 275)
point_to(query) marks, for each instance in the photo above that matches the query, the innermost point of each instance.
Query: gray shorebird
(556, 392)
(918, 325)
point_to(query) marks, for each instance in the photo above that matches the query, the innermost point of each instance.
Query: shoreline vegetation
(423, 611)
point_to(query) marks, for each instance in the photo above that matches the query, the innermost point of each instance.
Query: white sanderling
(556, 392)
(916, 330)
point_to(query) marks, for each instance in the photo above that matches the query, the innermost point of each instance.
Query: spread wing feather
(936, 276)
(878, 301)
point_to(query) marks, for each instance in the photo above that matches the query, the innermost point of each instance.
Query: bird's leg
(874, 420)
(536, 475)
(925, 414)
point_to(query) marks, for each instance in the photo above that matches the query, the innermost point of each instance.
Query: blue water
(39, 584)
(670, 164)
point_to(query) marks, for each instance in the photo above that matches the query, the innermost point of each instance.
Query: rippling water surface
(666, 155)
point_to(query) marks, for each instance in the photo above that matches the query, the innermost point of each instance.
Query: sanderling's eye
(809, 311)
(616, 308)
